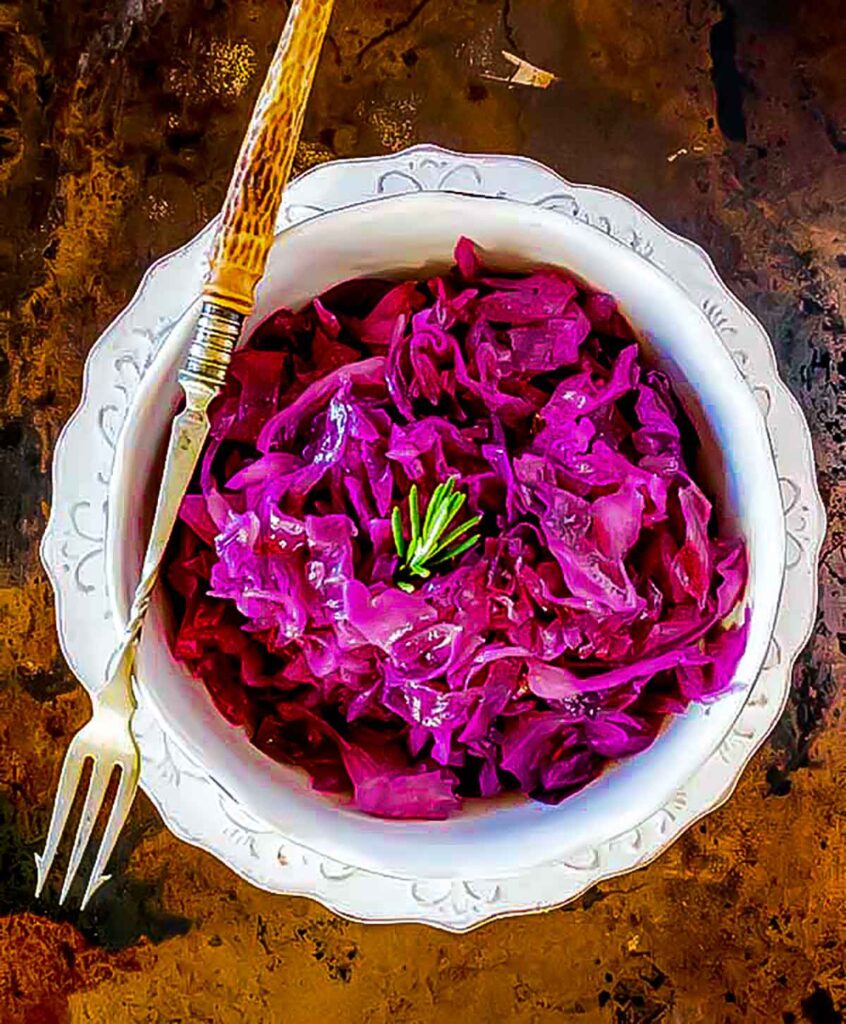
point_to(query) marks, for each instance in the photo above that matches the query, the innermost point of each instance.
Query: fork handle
(247, 224)
(239, 252)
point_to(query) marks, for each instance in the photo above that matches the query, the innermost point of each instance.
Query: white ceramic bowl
(411, 235)
(496, 858)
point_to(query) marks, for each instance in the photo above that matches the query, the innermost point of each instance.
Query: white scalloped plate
(191, 803)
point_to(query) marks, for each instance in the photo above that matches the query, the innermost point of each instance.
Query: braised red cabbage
(598, 600)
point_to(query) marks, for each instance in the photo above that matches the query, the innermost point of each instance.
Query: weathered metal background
(119, 123)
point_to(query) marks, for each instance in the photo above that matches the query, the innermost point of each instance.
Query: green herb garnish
(430, 544)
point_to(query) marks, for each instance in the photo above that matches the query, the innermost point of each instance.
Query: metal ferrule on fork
(210, 352)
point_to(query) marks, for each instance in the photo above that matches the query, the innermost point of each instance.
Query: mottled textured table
(119, 123)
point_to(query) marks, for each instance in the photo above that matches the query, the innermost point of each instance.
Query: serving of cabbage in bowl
(447, 541)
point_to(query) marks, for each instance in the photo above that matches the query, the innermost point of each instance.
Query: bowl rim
(378, 856)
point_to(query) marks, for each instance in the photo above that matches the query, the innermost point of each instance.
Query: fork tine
(93, 802)
(120, 809)
(65, 792)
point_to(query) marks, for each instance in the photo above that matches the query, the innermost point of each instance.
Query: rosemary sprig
(430, 544)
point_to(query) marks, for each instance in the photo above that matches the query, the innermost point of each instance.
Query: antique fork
(238, 255)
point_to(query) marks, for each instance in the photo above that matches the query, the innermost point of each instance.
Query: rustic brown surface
(119, 123)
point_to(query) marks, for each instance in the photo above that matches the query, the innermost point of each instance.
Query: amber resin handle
(245, 231)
